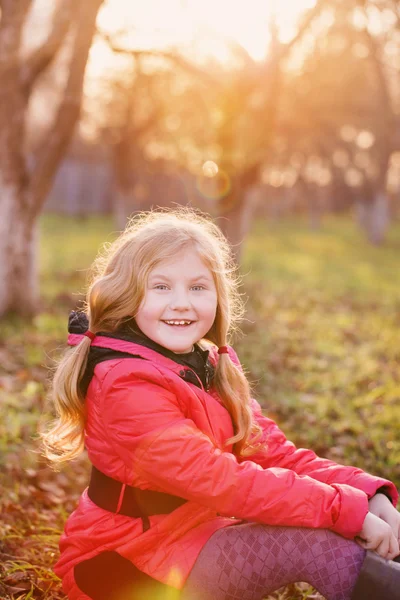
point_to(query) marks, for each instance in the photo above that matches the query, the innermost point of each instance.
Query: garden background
(281, 120)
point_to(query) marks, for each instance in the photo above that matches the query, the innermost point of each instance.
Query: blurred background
(279, 118)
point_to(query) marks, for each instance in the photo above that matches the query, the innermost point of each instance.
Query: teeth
(178, 322)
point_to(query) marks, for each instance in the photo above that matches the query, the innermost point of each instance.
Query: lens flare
(214, 187)
(210, 168)
(175, 580)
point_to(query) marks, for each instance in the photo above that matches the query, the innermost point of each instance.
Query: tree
(152, 90)
(24, 184)
(242, 106)
(337, 125)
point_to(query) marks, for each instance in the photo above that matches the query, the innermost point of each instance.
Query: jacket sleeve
(280, 452)
(163, 450)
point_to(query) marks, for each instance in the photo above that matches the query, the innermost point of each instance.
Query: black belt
(141, 504)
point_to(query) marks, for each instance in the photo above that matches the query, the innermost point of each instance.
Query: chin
(181, 349)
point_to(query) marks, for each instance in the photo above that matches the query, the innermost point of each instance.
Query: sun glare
(160, 24)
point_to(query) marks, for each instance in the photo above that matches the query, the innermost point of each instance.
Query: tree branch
(13, 15)
(308, 19)
(13, 103)
(60, 132)
(241, 53)
(386, 114)
(266, 126)
(177, 59)
(42, 56)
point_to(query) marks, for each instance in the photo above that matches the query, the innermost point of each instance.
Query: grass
(322, 336)
(320, 345)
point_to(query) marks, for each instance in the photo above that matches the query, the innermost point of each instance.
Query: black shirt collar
(130, 332)
(197, 360)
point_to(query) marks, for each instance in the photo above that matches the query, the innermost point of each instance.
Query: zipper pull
(208, 377)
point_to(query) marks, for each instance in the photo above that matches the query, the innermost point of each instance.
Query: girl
(192, 488)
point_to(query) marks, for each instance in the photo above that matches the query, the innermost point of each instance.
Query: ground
(320, 346)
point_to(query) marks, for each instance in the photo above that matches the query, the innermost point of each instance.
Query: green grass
(322, 339)
(320, 345)
(67, 250)
(327, 263)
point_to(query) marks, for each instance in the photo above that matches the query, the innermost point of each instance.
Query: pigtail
(234, 389)
(230, 380)
(64, 440)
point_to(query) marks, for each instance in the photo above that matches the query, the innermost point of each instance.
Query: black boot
(379, 579)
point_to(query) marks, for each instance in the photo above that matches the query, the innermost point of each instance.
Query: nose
(180, 300)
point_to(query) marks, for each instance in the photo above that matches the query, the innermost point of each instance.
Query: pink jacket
(149, 428)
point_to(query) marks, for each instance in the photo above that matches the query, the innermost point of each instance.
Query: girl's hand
(381, 507)
(377, 535)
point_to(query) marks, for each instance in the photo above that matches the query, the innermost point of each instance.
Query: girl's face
(178, 290)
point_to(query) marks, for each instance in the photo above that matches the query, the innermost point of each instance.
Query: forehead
(185, 264)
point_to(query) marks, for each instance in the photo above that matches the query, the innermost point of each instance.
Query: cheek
(150, 307)
(209, 306)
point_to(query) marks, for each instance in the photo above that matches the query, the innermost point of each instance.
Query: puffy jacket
(149, 428)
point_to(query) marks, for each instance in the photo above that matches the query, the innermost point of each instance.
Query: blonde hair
(119, 278)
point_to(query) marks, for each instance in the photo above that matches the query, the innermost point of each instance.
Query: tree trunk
(317, 206)
(23, 192)
(314, 211)
(236, 223)
(122, 161)
(18, 269)
(361, 214)
(124, 205)
(377, 218)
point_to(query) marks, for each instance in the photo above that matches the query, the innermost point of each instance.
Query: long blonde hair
(117, 288)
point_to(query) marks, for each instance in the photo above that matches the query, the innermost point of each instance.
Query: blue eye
(162, 286)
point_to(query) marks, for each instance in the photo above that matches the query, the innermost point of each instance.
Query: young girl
(193, 492)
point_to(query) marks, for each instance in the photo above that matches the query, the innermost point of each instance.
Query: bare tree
(242, 130)
(376, 203)
(339, 109)
(23, 186)
(262, 80)
(142, 103)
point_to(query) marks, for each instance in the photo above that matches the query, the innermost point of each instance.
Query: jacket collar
(129, 338)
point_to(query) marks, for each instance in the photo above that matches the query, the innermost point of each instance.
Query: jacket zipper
(205, 403)
(208, 377)
(200, 381)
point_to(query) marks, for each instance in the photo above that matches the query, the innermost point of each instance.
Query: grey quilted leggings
(250, 561)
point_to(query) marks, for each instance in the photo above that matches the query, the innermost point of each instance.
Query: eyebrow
(192, 280)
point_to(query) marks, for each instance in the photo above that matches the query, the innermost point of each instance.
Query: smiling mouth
(179, 323)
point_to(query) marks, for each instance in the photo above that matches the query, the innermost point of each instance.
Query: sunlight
(161, 24)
